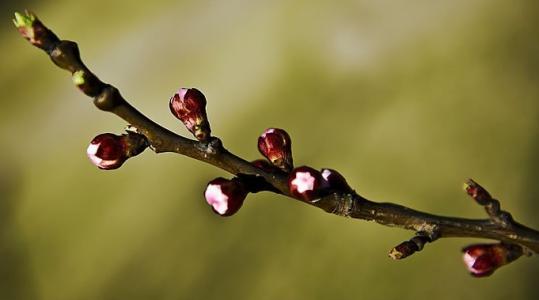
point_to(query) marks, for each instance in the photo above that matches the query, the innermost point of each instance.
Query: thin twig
(500, 226)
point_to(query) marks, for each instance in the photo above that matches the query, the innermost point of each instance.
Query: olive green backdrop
(406, 98)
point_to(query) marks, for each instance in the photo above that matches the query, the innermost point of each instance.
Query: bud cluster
(309, 184)
(304, 182)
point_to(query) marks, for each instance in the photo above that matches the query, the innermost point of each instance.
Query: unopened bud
(477, 192)
(334, 181)
(189, 106)
(225, 196)
(34, 31)
(24, 23)
(304, 183)
(483, 259)
(108, 151)
(276, 146)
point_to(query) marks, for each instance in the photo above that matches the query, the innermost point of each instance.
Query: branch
(325, 189)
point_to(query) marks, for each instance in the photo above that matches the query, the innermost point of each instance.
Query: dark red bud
(334, 181)
(189, 106)
(304, 183)
(276, 146)
(107, 151)
(477, 192)
(225, 196)
(483, 259)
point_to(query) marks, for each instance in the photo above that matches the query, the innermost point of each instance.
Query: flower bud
(477, 192)
(24, 23)
(276, 146)
(225, 196)
(483, 259)
(107, 151)
(89, 84)
(304, 183)
(34, 31)
(334, 181)
(189, 106)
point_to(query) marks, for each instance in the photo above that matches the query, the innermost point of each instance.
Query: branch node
(88, 83)
(212, 147)
(344, 206)
(505, 219)
(108, 99)
(66, 55)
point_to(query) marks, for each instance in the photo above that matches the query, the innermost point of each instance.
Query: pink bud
(276, 146)
(304, 183)
(107, 151)
(483, 259)
(189, 106)
(225, 196)
(334, 181)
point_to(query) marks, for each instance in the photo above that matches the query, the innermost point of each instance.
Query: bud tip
(78, 77)
(24, 20)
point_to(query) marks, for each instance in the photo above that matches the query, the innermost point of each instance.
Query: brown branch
(499, 226)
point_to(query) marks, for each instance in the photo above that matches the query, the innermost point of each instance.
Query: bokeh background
(406, 98)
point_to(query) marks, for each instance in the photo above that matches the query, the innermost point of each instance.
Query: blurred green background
(406, 98)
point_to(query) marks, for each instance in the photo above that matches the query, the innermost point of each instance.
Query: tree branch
(345, 202)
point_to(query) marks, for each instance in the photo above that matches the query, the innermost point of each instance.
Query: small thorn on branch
(491, 205)
(410, 247)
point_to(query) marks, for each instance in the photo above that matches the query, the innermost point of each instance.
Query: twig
(342, 201)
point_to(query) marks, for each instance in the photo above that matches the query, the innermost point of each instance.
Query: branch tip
(24, 20)
(477, 192)
(410, 247)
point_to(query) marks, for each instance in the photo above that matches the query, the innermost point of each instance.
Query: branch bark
(499, 226)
